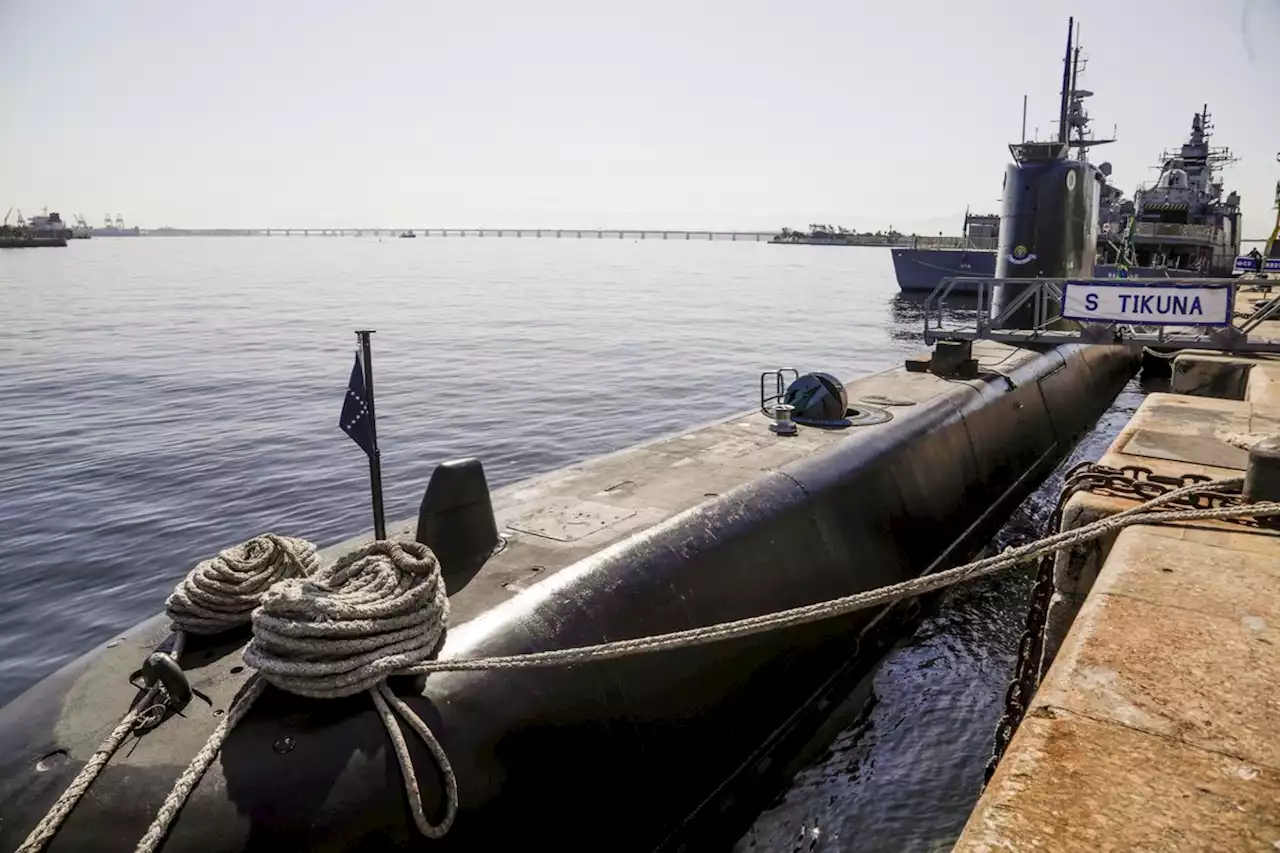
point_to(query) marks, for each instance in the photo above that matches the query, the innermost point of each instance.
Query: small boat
(408, 234)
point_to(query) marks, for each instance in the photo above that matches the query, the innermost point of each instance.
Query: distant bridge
(553, 233)
(535, 233)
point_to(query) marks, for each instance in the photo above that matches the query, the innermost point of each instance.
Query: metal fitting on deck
(954, 359)
(456, 520)
(782, 423)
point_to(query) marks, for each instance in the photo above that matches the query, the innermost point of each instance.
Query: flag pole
(375, 458)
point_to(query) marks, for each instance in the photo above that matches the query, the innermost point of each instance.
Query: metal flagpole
(375, 458)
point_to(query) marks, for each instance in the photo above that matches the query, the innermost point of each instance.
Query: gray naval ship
(920, 270)
(1183, 225)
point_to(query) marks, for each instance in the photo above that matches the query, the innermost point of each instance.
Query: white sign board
(1181, 303)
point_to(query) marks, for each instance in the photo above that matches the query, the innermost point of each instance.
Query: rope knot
(346, 627)
(221, 592)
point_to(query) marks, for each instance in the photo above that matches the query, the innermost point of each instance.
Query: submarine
(820, 489)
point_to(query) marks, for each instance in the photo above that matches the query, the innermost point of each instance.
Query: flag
(357, 420)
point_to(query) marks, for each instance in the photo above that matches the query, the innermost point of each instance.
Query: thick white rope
(335, 633)
(49, 825)
(221, 592)
(347, 627)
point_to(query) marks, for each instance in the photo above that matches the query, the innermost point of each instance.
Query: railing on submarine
(975, 297)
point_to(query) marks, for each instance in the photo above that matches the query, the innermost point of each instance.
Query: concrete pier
(1157, 724)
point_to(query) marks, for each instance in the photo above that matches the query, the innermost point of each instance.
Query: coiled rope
(221, 592)
(337, 632)
(345, 629)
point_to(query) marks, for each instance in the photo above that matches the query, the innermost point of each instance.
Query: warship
(920, 269)
(1185, 224)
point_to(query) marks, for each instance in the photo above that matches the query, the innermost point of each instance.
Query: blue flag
(356, 420)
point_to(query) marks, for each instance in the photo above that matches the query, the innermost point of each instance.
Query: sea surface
(163, 398)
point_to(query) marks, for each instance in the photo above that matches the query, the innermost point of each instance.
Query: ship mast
(1077, 117)
(1066, 84)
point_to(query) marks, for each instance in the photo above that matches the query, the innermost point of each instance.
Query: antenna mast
(1066, 84)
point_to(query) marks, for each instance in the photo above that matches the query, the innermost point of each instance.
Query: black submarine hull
(665, 751)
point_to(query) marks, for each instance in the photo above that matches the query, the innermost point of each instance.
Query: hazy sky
(732, 113)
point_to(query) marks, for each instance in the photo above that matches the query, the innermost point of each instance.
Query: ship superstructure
(1184, 223)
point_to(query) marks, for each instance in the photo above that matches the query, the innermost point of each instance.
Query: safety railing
(1105, 310)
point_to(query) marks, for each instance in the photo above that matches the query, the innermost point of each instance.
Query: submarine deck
(551, 521)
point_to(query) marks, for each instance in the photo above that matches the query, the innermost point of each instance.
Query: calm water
(161, 399)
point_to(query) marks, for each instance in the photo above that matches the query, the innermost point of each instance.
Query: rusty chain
(1134, 482)
(1137, 482)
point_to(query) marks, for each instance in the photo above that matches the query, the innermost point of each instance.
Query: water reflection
(907, 312)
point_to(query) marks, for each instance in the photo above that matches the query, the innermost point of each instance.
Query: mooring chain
(1022, 686)
(1141, 483)
(1135, 482)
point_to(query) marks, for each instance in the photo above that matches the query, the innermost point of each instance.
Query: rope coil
(345, 628)
(221, 592)
(336, 632)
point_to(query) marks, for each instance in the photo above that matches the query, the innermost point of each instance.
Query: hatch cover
(568, 522)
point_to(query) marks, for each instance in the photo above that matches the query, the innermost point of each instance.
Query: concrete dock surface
(1157, 724)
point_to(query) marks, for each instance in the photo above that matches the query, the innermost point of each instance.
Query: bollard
(954, 359)
(1262, 476)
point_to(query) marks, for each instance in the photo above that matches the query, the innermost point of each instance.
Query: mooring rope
(1146, 513)
(347, 627)
(218, 592)
(382, 610)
